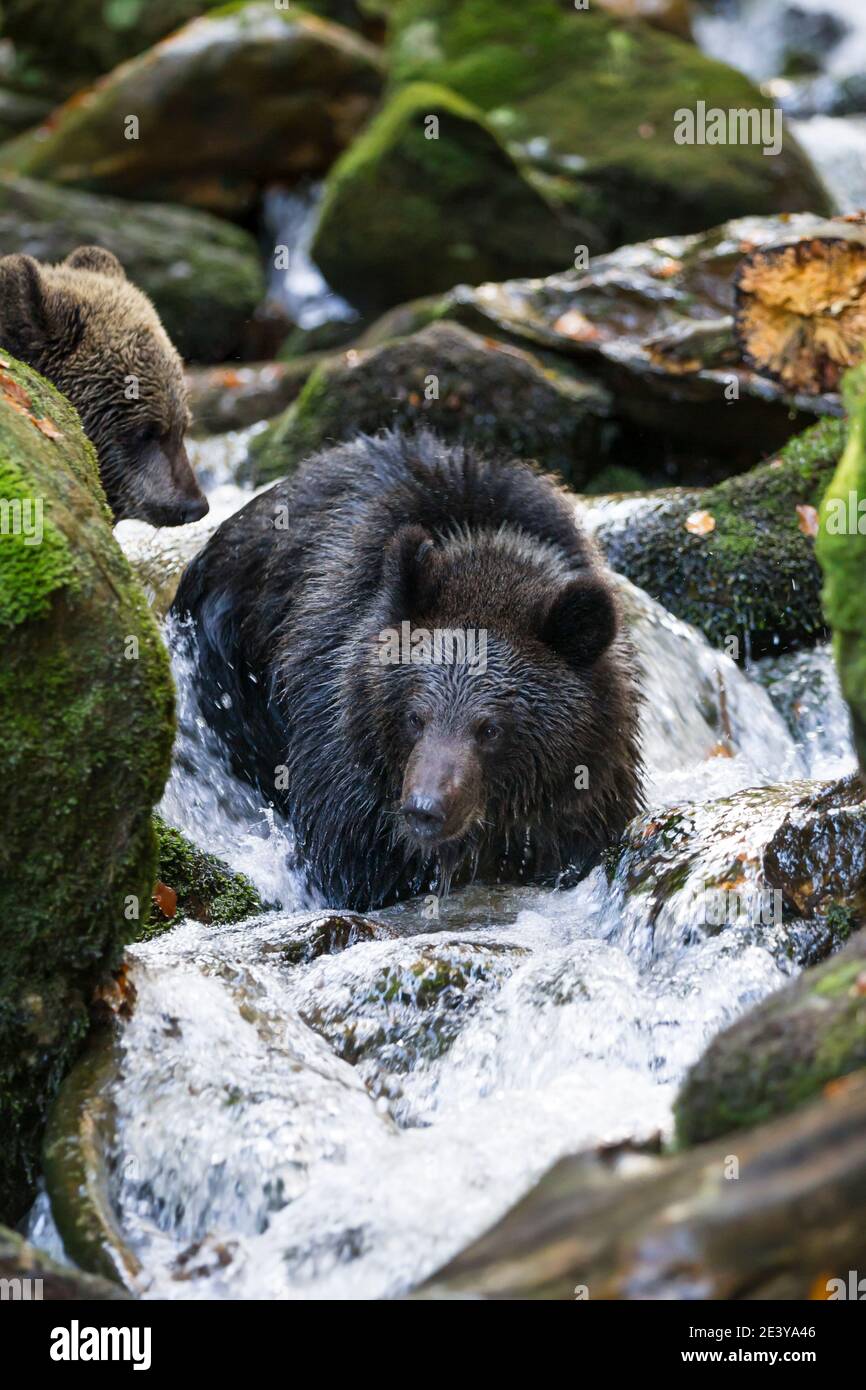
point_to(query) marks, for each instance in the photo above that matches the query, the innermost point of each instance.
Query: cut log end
(801, 310)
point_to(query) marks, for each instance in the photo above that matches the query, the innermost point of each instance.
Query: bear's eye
(415, 722)
(488, 732)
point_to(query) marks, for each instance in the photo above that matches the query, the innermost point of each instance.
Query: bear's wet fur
(100, 341)
(404, 777)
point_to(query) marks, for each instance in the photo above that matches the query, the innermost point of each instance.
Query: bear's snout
(441, 788)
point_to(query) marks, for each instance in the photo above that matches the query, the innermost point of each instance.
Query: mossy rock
(782, 1053)
(86, 731)
(842, 554)
(204, 887)
(427, 196)
(738, 559)
(592, 100)
(498, 398)
(89, 37)
(240, 97)
(45, 1278)
(203, 274)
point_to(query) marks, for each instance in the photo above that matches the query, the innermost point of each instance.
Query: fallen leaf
(860, 983)
(720, 750)
(165, 899)
(229, 378)
(808, 521)
(576, 326)
(48, 428)
(667, 269)
(700, 523)
(13, 392)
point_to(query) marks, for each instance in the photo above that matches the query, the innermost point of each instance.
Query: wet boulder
(233, 100)
(428, 196)
(843, 560)
(782, 1053)
(232, 398)
(28, 1274)
(736, 560)
(86, 730)
(592, 102)
(202, 273)
(497, 397)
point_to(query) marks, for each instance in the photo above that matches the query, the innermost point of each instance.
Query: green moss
(607, 93)
(782, 1053)
(754, 575)
(842, 555)
(207, 889)
(406, 213)
(86, 728)
(503, 400)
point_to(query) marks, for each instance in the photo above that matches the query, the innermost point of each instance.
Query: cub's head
(510, 713)
(100, 341)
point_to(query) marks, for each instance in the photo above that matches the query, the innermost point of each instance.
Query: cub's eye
(488, 732)
(415, 722)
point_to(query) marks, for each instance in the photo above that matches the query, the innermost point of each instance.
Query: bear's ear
(581, 622)
(23, 306)
(96, 258)
(409, 573)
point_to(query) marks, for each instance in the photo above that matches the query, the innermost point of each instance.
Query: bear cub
(100, 341)
(415, 653)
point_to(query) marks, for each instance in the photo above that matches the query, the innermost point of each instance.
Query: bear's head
(496, 686)
(100, 341)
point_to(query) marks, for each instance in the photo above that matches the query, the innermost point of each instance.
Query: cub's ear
(409, 573)
(23, 306)
(581, 623)
(96, 258)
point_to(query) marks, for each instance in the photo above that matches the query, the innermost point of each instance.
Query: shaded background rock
(229, 102)
(591, 102)
(199, 885)
(202, 273)
(86, 729)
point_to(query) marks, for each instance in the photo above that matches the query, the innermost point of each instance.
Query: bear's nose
(424, 815)
(195, 509)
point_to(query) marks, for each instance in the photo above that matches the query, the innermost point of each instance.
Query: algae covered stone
(736, 560)
(501, 399)
(202, 273)
(200, 886)
(782, 1053)
(86, 730)
(593, 102)
(841, 546)
(428, 196)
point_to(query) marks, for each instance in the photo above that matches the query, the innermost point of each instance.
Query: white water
(339, 1128)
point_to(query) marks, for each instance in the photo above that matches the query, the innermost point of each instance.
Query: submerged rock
(631, 1226)
(86, 730)
(592, 103)
(233, 100)
(202, 273)
(782, 1053)
(843, 559)
(427, 196)
(736, 560)
(499, 398)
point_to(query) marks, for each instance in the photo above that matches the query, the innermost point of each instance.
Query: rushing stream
(289, 1123)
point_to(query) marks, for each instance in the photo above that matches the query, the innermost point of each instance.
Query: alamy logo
(22, 516)
(853, 1288)
(77, 1343)
(423, 646)
(737, 126)
(846, 517)
(719, 907)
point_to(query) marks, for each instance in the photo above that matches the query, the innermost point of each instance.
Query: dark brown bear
(100, 341)
(402, 775)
